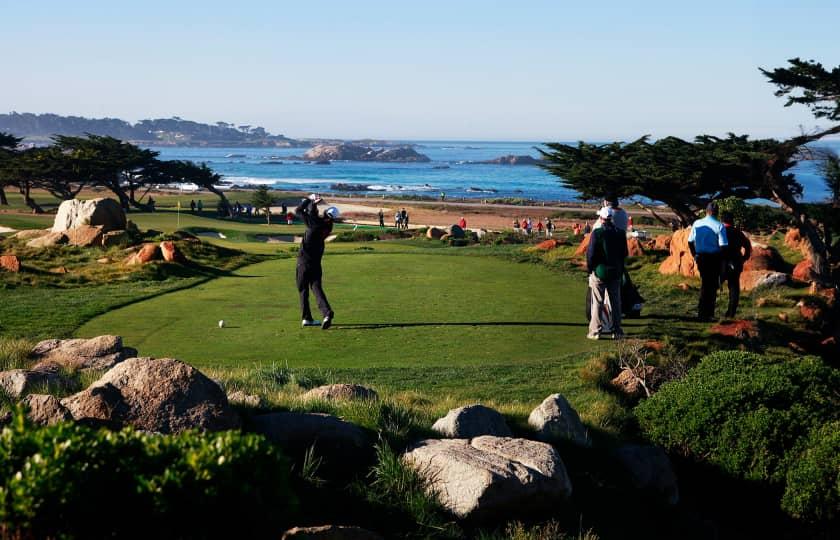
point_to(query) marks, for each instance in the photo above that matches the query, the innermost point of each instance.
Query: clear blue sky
(526, 70)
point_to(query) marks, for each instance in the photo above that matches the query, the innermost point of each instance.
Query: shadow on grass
(377, 326)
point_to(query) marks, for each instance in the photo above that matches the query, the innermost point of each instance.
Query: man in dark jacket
(605, 263)
(309, 260)
(735, 255)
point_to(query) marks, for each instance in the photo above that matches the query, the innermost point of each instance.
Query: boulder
(10, 263)
(330, 532)
(547, 245)
(741, 330)
(634, 247)
(355, 152)
(84, 236)
(147, 253)
(59, 270)
(472, 421)
(433, 233)
(339, 442)
(679, 260)
(45, 410)
(171, 253)
(555, 420)
(116, 238)
(490, 476)
(160, 395)
(511, 159)
(756, 279)
(804, 272)
(30, 234)
(16, 383)
(583, 246)
(456, 231)
(629, 382)
(240, 397)
(48, 240)
(793, 239)
(649, 469)
(764, 258)
(101, 352)
(810, 310)
(75, 213)
(341, 392)
(662, 242)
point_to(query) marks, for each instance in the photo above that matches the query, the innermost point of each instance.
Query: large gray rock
(30, 234)
(472, 421)
(356, 152)
(45, 410)
(240, 397)
(330, 532)
(101, 352)
(650, 469)
(16, 383)
(161, 395)
(489, 476)
(341, 392)
(554, 420)
(75, 213)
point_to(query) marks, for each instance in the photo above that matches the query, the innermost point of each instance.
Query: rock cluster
(103, 213)
(341, 392)
(9, 263)
(679, 260)
(102, 352)
(555, 420)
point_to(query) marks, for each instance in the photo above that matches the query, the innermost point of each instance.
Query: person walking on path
(398, 220)
(549, 227)
(309, 271)
(199, 205)
(381, 219)
(605, 263)
(192, 206)
(707, 241)
(540, 227)
(404, 218)
(736, 254)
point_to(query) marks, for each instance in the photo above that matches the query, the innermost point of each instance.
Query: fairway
(392, 310)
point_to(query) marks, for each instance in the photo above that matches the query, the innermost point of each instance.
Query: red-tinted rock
(793, 239)
(10, 263)
(147, 253)
(809, 310)
(764, 258)
(736, 329)
(680, 260)
(583, 246)
(662, 242)
(804, 271)
(829, 294)
(547, 245)
(171, 253)
(754, 279)
(634, 247)
(84, 236)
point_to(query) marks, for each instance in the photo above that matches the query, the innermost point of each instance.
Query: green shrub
(356, 236)
(747, 414)
(812, 489)
(14, 353)
(72, 481)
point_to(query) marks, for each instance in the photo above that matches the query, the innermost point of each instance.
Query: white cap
(605, 213)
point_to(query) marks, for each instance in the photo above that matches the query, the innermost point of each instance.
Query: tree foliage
(262, 200)
(806, 82)
(830, 169)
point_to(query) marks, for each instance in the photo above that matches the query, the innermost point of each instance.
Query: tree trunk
(653, 213)
(221, 195)
(3, 200)
(24, 189)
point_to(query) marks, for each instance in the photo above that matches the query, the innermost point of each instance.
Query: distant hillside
(161, 131)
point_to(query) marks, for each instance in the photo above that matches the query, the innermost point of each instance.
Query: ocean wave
(252, 181)
(392, 187)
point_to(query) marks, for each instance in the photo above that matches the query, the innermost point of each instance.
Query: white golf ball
(221, 324)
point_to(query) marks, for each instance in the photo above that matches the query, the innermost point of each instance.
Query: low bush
(812, 486)
(72, 481)
(749, 415)
(14, 352)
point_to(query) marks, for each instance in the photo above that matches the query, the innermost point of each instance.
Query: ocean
(451, 171)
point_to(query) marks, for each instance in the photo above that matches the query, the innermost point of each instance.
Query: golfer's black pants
(709, 266)
(733, 281)
(309, 277)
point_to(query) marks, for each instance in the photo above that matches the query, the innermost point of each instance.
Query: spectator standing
(540, 227)
(605, 263)
(192, 206)
(398, 220)
(199, 205)
(462, 223)
(707, 240)
(549, 227)
(290, 218)
(737, 252)
(620, 218)
(381, 219)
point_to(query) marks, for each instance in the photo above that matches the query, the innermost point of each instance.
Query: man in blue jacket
(605, 263)
(309, 270)
(707, 242)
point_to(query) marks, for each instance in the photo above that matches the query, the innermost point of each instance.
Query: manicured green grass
(477, 326)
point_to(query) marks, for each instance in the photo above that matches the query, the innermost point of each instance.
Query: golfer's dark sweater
(317, 230)
(608, 246)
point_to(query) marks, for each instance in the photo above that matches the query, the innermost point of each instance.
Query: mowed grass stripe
(392, 310)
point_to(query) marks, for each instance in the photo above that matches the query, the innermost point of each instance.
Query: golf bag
(631, 301)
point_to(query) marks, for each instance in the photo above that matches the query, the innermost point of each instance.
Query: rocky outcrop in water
(356, 152)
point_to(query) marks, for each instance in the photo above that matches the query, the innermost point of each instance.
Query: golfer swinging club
(309, 259)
